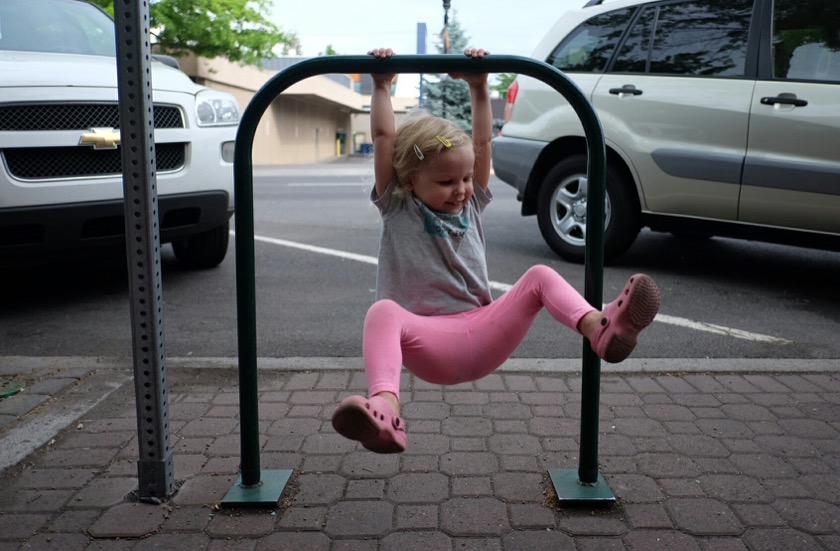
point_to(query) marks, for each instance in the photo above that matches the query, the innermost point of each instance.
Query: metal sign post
(584, 485)
(134, 77)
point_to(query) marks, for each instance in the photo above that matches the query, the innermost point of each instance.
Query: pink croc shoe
(372, 422)
(625, 317)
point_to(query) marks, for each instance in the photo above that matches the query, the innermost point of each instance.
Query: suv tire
(203, 250)
(561, 211)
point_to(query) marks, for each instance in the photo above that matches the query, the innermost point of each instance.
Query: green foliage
(502, 83)
(107, 5)
(446, 97)
(234, 29)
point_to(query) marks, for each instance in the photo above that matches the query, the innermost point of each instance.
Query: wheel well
(554, 153)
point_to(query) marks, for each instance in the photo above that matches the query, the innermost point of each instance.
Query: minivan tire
(203, 250)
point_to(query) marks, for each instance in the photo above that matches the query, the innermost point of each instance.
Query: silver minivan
(721, 117)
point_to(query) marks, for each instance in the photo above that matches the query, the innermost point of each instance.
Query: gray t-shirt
(432, 263)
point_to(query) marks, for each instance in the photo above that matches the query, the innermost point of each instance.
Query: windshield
(60, 26)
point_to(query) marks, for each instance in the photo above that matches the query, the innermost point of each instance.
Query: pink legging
(462, 347)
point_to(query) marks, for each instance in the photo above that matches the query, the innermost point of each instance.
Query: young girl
(434, 312)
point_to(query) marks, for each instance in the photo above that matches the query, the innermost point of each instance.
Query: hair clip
(418, 152)
(444, 141)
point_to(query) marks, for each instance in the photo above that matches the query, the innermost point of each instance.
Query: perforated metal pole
(154, 466)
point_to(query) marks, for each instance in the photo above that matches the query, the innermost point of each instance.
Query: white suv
(721, 117)
(60, 163)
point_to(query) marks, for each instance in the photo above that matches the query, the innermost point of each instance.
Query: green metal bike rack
(256, 488)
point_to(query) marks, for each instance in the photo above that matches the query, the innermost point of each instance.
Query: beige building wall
(301, 131)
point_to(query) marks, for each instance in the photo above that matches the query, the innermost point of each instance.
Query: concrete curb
(41, 425)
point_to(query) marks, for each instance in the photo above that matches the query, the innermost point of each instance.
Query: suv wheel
(561, 211)
(203, 250)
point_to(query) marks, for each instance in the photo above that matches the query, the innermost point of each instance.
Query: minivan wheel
(203, 250)
(561, 211)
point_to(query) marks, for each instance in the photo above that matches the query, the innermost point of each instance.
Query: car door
(792, 169)
(583, 54)
(677, 99)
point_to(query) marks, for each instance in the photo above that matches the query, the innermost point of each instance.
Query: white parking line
(325, 184)
(720, 330)
(661, 318)
(696, 325)
(319, 250)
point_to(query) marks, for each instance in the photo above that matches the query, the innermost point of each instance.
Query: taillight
(510, 98)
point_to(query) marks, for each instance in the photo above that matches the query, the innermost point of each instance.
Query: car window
(589, 47)
(806, 40)
(59, 26)
(700, 38)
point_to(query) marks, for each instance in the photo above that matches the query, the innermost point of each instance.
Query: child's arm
(382, 126)
(482, 120)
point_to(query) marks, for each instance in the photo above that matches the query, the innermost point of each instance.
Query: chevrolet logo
(101, 138)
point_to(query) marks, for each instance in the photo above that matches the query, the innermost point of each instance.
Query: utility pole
(446, 5)
(421, 49)
(445, 35)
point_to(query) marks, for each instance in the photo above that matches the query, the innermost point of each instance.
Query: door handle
(626, 89)
(784, 99)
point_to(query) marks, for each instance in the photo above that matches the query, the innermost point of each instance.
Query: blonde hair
(423, 134)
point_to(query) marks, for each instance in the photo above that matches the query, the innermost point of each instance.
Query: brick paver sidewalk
(697, 462)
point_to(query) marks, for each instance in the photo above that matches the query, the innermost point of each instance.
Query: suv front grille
(77, 116)
(43, 163)
(40, 163)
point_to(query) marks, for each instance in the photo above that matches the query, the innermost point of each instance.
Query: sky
(353, 27)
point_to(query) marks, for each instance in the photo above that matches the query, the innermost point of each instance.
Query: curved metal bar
(244, 220)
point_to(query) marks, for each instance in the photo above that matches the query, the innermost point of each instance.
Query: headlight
(216, 109)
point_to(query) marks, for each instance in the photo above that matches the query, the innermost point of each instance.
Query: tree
(446, 97)
(234, 29)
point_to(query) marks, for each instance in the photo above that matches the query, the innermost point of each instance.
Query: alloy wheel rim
(568, 210)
